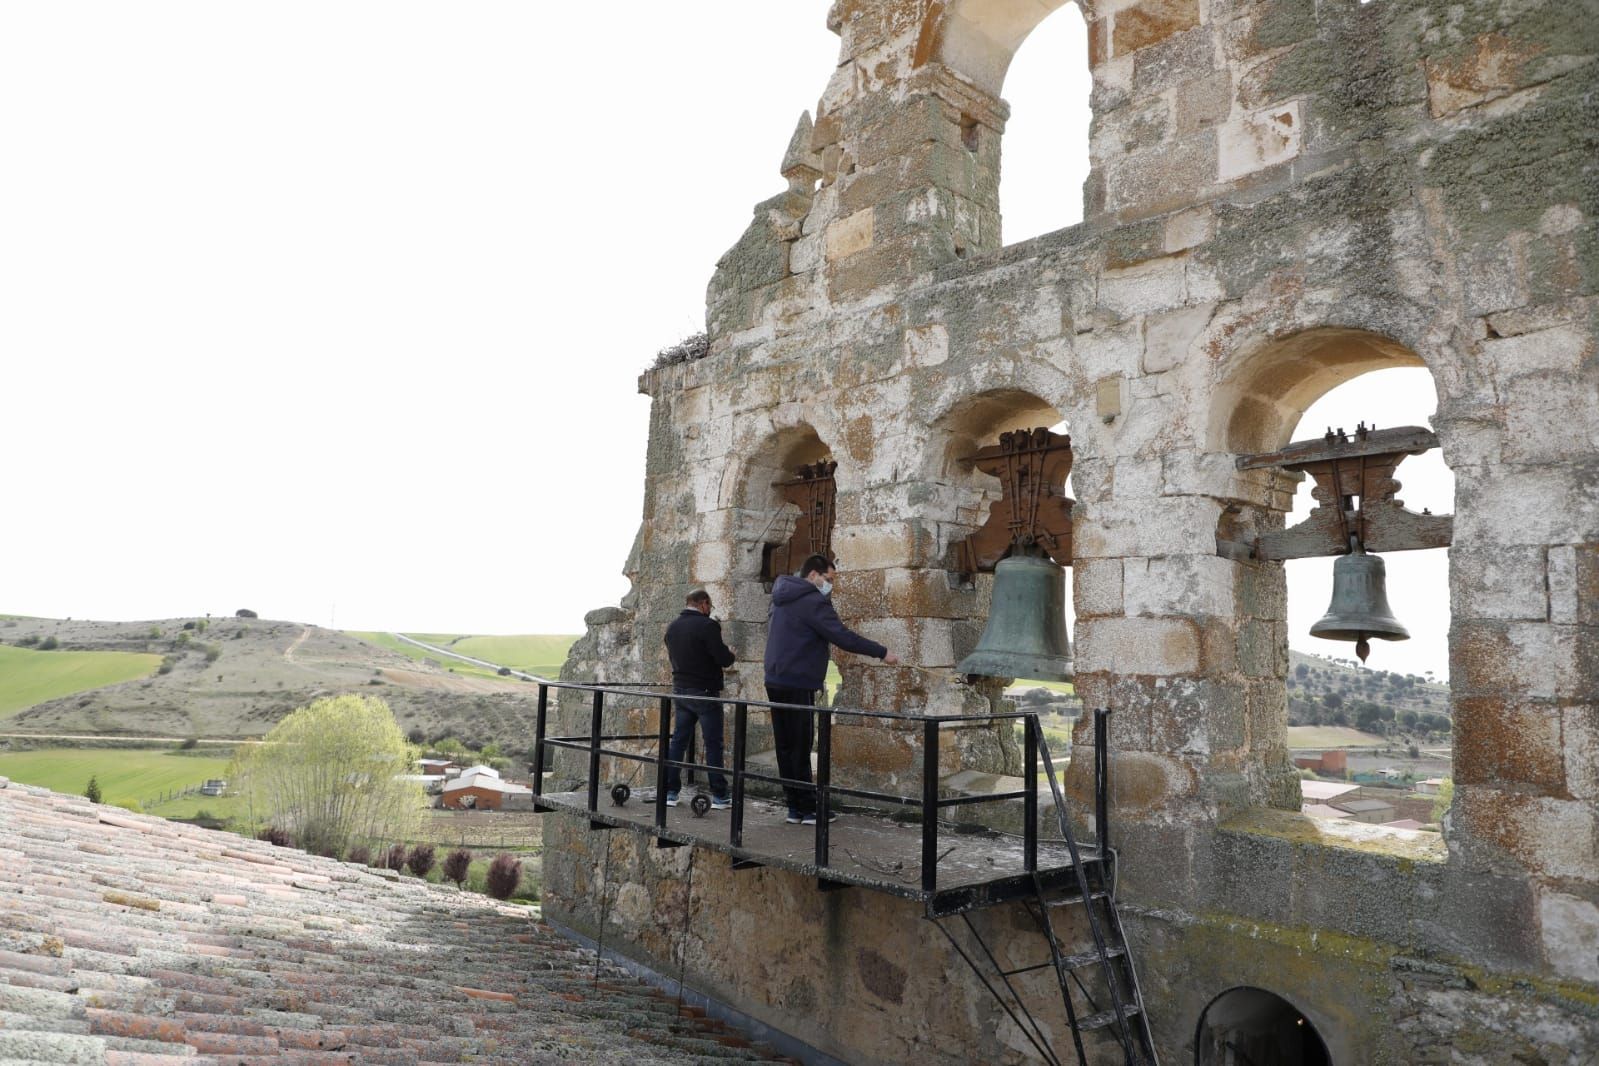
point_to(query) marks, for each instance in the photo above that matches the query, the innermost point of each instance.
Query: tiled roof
(133, 941)
(1324, 790)
(488, 784)
(1363, 806)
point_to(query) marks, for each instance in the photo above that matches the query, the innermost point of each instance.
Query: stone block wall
(1284, 194)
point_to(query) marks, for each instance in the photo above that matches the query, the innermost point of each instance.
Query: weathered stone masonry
(1284, 195)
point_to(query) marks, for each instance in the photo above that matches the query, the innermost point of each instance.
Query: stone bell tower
(1284, 194)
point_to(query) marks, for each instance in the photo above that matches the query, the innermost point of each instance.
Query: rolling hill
(236, 678)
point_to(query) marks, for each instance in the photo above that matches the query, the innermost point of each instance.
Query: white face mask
(826, 587)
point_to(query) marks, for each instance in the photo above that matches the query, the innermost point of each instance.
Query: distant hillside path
(288, 653)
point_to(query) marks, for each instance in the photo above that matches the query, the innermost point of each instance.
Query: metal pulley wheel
(700, 804)
(620, 792)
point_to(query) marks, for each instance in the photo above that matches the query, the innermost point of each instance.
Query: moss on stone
(1299, 829)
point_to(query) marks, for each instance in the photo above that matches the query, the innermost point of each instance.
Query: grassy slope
(535, 654)
(1332, 736)
(477, 874)
(411, 651)
(125, 775)
(28, 677)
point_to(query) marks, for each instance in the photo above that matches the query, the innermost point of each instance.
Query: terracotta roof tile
(131, 941)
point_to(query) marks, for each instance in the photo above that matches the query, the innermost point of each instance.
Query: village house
(480, 788)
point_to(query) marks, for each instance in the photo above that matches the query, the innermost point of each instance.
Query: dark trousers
(794, 733)
(708, 713)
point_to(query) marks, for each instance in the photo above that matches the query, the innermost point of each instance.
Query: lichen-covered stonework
(1284, 194)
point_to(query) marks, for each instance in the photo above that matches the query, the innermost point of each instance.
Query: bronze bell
(1359, 606)
(1026, 631)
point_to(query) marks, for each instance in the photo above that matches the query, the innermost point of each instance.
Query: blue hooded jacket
(803, 625)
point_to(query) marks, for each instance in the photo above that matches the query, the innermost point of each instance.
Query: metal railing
(929, 802)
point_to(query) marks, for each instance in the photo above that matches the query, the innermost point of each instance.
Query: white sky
(335, 310)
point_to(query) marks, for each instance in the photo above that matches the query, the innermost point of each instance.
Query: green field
(28, 677)
(534, 654)
(411, 651)
(126, 775)
(1332, 736)
(477, 874)
(223, 807)
(538, 654)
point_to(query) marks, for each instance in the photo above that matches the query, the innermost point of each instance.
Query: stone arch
(762, 516)
(978, 38)
(966, 493)
(758, 515)
(1247, 1025)
(1271, 385)
(966, 425)
(1257, 407)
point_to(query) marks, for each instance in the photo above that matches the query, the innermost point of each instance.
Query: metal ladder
(1115, 1005)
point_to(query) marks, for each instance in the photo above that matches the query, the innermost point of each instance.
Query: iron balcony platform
(866, 850)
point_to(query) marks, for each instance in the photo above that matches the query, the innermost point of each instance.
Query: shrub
(360, 853)
(505, 874)
(420, 861)
(183, 639)
(188, 625)
(415, 735)
(28, 641)
(245, 612)
(238, 633)
(93, 789)
(396, 857)
(212, 653)
(1446, 796)
(504, 671)
(167, 663)
(189, 744)
(49, 643)
(274, 835)
(155, 633)
(328, 772)
(456, 865)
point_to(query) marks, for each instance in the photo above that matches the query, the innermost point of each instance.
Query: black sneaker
(796, 818)
(810, 819)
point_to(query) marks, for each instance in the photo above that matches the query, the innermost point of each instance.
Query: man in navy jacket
(694, 644)
(803, 625)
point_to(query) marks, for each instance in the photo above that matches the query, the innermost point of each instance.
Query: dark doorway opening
(1253, 1027)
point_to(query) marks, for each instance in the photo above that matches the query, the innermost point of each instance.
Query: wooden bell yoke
(1355, 501)
(1033, 508)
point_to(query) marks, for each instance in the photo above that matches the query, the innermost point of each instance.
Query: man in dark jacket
(694, 644)
(803, 625)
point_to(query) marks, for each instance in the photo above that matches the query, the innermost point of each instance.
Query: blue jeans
(709, 715)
